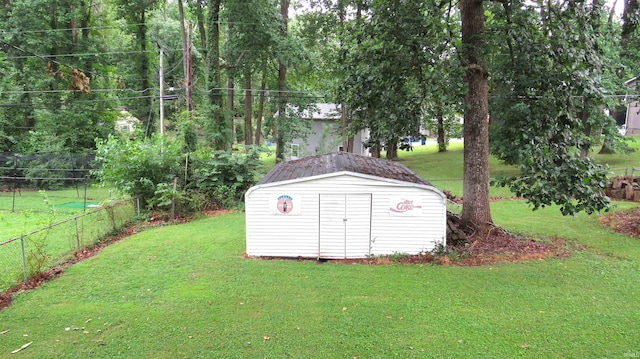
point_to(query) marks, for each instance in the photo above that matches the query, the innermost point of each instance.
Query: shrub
(137, 166)
(205, 179)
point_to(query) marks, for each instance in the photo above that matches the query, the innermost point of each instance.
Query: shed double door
(345, 226)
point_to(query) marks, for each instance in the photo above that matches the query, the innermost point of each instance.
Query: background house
(632, 120)
(343, 205)
(326, 134)
(126, 122)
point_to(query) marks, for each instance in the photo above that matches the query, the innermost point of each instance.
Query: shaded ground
(625, 222)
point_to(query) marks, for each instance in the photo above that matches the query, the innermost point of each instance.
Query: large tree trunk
(216, 100)
(476, 212)
(282, 86)
(263, 87)
(248, 107)
(231, 110)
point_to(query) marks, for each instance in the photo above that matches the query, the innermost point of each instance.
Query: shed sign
(285, 204)
(405, 206)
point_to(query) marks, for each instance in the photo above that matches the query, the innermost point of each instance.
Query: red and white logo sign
(285, 204)
(405, 206)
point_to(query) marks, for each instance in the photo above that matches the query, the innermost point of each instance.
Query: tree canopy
(539, 75)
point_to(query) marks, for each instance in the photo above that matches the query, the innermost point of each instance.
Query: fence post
(85, 195)
(173, 198)
(111, 211)
(24, 259)
(77, 234)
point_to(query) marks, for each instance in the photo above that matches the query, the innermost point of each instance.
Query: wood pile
(624, 188)
(455, 235)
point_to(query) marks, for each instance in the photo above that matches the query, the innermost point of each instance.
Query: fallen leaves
(626, 221)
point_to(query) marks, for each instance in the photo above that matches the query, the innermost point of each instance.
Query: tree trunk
(263, 87)
(282, 85)
(375, 150)
(186, 55)
(216, 100)
(476, 212)
(141, 36)
(392, 150)
(442, 142)
(231, 110)
(199, 12)
(248, 107)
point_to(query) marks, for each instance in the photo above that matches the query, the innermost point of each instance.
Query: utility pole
(161, 76)
(188, 84)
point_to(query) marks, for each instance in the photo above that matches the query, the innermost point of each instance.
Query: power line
(94, 54)
(41, 106)
(23, 92)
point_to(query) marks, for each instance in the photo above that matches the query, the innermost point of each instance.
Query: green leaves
(574, 183)
(547, 105)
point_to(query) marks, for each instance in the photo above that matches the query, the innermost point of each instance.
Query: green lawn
(29, 210)
(185, 291)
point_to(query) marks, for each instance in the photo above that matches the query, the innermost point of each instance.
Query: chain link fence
(32, 253)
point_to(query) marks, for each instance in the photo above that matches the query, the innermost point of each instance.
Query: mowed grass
(29, 210)
(445, 169)
(185, 291)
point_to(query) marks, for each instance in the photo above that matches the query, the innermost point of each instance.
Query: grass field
(185, 291)
(28, 210)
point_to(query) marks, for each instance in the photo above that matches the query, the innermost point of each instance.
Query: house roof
(322, 111)
(318, 111)
(340, 162)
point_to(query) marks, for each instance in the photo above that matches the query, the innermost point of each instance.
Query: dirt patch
(625, 222)
(498, 247)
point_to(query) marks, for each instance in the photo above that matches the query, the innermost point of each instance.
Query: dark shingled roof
(338, 162)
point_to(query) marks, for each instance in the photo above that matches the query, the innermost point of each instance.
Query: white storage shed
(343, 205)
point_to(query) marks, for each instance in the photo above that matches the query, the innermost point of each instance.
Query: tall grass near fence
(28, 254)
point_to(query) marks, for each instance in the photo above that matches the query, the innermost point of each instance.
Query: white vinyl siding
(345, 225)
(369, 224)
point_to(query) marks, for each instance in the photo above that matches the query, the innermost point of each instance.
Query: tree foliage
(547, 124)
(552, 68)
(390, 61)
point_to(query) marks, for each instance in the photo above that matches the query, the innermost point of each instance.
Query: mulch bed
(625, 222)
(499, 246)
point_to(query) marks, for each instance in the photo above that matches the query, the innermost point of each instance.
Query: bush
(205, 179)
(136, 167)
(223, 176)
